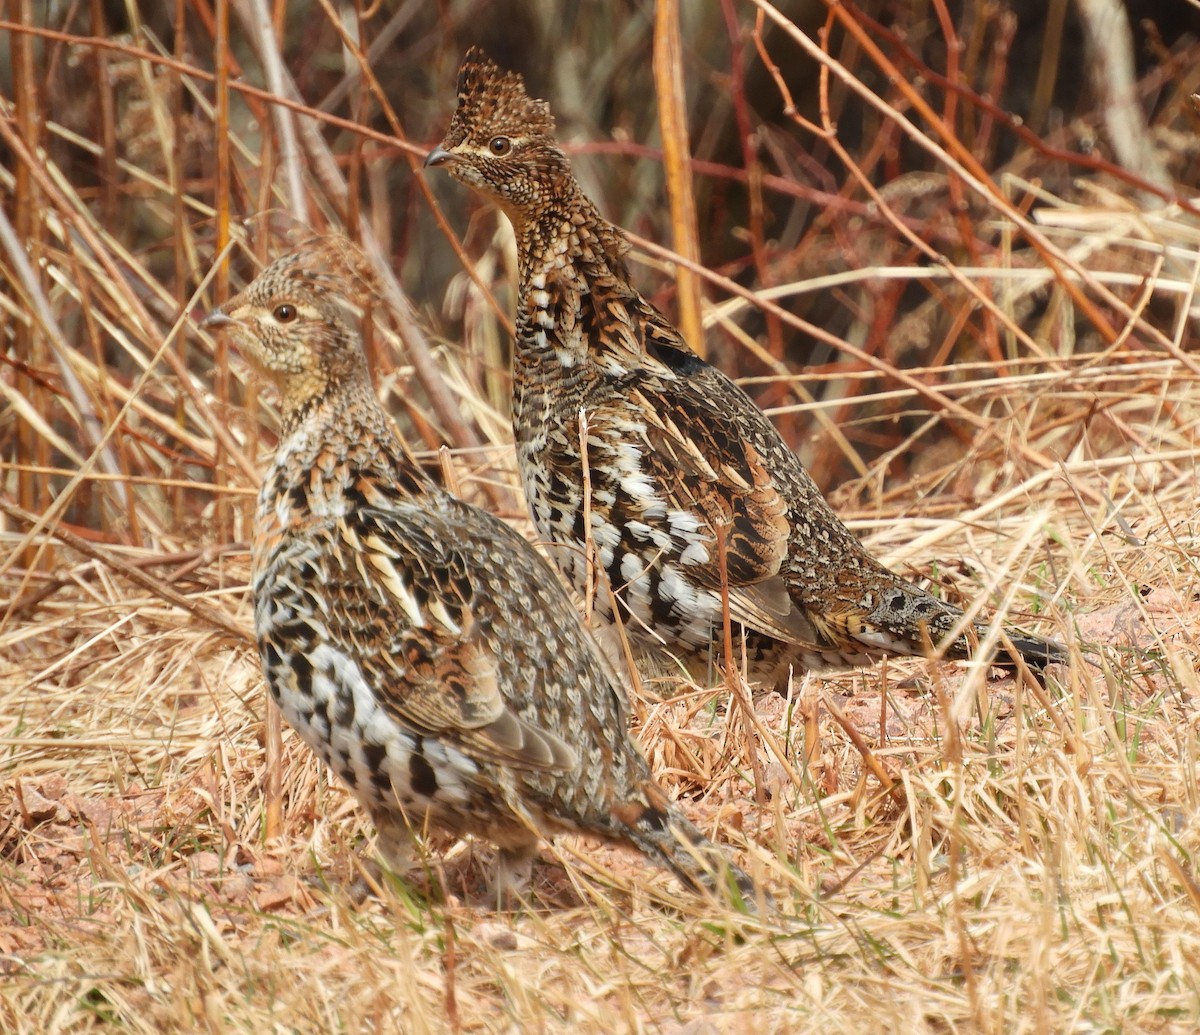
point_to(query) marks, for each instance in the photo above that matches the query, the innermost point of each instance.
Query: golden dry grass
(947, 853)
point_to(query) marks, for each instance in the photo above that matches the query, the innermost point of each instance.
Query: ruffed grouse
(677, 456)
(420, 646)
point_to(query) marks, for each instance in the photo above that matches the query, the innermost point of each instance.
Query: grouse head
(501, 140)
(299, 321)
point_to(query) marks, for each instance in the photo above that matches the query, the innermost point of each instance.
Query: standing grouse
(419, 645)
(643, 460)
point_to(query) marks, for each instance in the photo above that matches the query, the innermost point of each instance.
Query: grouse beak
(216, 319)
(438, 156)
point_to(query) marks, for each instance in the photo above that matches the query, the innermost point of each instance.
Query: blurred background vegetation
(138, 138)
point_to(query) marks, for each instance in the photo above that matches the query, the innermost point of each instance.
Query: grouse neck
(567, 230)
(344, 434)
(320, 395)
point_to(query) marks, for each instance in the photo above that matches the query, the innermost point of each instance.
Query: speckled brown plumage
(677, 455)
(419, 645)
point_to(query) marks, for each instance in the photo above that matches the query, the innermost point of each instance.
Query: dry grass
(1012, 417)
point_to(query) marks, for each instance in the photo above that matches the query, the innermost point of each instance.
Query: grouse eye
(285, 313)
(500, 145)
